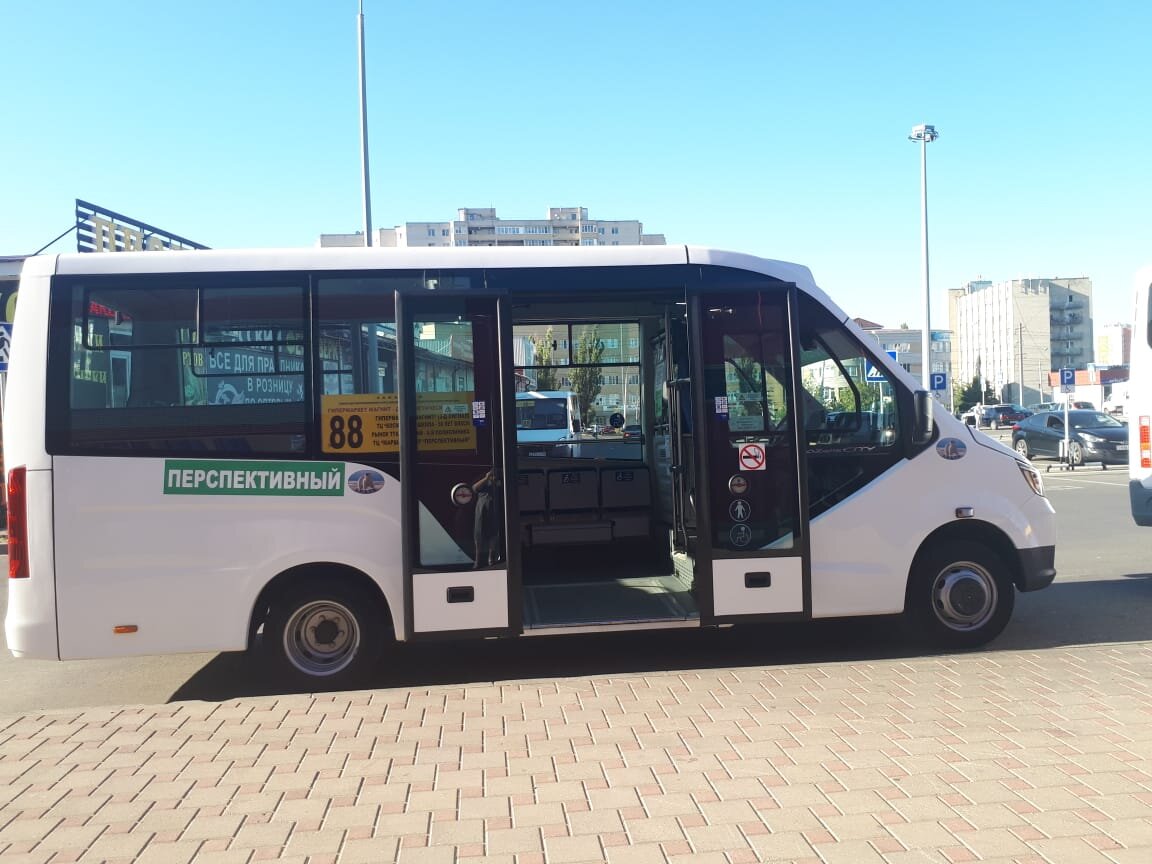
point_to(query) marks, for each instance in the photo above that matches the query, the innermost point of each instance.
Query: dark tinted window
(179, 368)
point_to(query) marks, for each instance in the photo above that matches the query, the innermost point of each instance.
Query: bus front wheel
(323, 632)
(960, 595)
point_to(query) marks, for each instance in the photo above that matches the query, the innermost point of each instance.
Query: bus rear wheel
(960, 595)
(323, 632)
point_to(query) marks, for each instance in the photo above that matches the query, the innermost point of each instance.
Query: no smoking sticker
(752, 457)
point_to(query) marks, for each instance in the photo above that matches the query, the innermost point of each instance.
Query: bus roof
(416, 258)
(421, 258)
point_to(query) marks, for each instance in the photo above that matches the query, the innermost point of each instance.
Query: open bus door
(752, 546)
(461, 574)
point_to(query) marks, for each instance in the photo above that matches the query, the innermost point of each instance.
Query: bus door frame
(501, 412)
(749, 576)
(677, 433)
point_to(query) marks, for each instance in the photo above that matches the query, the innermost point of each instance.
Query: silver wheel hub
(321, 638)
(964, 596)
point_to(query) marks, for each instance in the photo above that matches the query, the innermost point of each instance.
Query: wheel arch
(315, 572)
(976, 531)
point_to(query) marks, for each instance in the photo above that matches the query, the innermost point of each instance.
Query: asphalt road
(1103, 594)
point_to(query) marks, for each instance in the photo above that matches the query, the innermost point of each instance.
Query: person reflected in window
(488, 530)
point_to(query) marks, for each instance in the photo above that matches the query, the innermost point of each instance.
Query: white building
(1012, 334)
(480, 226)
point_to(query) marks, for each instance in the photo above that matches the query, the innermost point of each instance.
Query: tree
(970, 395)
(586, 372)
(543, 348)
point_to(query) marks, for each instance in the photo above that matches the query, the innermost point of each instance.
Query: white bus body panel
(862, 549)
(431, 611)
(1139, 409)
(30, 623)
(187, 569)
(24, 393)
(732, 596)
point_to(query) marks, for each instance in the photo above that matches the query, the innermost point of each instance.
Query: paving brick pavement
(1021, 756)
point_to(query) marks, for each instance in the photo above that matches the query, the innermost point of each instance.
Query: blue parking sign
(938, 380)
(1067, 380)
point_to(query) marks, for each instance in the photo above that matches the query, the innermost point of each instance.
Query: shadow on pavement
(1065, 614)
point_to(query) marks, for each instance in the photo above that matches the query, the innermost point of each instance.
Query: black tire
(960, 595)
(324, 633)
(1076, 452)
(1021, 447)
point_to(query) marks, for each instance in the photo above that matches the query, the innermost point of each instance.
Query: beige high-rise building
(1114, 345)
(1012, 334)
(480, 226)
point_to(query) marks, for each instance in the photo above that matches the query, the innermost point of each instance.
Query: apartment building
(1011, 334)
(480, 226)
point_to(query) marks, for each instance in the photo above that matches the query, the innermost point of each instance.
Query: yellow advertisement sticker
(367, 423)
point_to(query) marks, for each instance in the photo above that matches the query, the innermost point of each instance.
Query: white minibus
(311, 453)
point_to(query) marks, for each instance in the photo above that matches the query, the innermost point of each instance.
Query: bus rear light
(17, 524)
(121, 629)
(1145, 443)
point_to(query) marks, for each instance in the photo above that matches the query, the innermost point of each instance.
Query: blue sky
(775, 128)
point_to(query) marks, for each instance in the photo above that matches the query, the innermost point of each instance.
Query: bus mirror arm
(921, 418)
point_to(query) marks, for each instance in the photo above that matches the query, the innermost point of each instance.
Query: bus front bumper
(1037, 567)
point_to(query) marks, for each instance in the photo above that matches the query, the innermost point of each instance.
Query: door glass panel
(356, 351)
(455, 376)
(747, 386)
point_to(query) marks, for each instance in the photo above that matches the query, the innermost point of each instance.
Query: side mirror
(576, 424)
(922, 417)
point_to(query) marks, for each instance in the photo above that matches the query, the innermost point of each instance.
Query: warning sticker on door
(752, 457)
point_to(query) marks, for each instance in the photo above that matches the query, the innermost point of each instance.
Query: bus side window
(852, 428)
(172, 367)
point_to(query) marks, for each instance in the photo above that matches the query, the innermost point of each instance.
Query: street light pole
(364, 132)
(925, 134)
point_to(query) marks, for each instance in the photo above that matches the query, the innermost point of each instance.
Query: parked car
(632, 432)
(1093, 436)
(1045, 406)
(1001, 416)
(1117, 403)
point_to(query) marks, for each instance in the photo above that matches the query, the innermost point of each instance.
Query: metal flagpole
(925, 134)
(364, 133)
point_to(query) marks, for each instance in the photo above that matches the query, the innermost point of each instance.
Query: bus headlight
(1032, 477)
